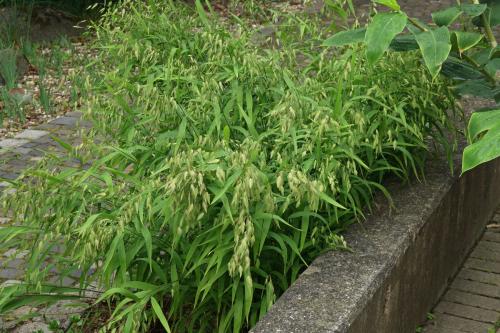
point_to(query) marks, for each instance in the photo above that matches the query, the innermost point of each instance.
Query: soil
(45, 27)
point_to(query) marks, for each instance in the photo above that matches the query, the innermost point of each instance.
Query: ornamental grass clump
(219, 169)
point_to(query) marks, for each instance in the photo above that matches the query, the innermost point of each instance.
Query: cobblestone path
(17, 154)
(472, 302)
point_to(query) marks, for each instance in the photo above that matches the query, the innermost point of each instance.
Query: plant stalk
(487, 27)
(417, 24)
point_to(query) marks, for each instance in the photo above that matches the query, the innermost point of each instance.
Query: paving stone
(436, 329)
(460, 324)
(477, 288)
(31, 134)
(483, 265)
(31, 144)
(482, 252)
(65, 121)
(65, 282)
(468, 312)
(15, 253)
(23, 150)
(457, 296)
(491, 236)
(62, 311)
(9, 283)
(33, 327)
(479, 276)
(74, 114)
(12, 143)
(490, 246)
(9, 273)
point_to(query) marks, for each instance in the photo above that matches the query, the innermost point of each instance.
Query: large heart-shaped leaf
(447, 16)
(480, 87)
(346, 37)
(482, 121)
(465, 40)
(484, 55)
(392, 4)
(493, 66)
(380, 32)
(487, 147)
(404, 43)
(495, 14)
(457, 69)
(435, 46)
(473, 10)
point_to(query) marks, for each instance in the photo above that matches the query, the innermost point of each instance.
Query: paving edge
(402, 259)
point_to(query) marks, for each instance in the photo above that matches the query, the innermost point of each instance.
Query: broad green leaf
(456, 68)
(493, 66)
(487, 147)
(482, 121)
(482, 56)
(480, 88)
(435, 46)
(495, 14)
(473, 10)
(495, 52)
(380, 32)
(466, 40)
(404, 43)
(392, 4)
(346, 37)
(447, 16)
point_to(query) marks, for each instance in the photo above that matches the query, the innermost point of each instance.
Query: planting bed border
(401, 261)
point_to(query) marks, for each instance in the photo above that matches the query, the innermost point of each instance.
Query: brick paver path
(472, 302)
(17, 154)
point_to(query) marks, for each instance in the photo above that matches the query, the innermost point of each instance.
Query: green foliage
(435, 47)
(486, 126)
(217, 170)
(469, 56)
(380, 33)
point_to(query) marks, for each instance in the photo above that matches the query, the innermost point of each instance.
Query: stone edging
(401, 262)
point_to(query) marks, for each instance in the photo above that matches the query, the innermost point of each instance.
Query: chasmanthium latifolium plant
(460, 44)
(216, 169)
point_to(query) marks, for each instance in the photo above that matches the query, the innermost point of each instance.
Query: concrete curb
(402, 259)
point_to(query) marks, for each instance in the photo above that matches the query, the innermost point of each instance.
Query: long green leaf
(346, 37)
(435, 46)
(392, 4)
(380, 32)
(446, 16)
(159, 314)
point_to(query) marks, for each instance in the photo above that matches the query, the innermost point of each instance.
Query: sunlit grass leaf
(159, 314)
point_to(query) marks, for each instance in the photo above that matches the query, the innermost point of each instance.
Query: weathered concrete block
(402, 259)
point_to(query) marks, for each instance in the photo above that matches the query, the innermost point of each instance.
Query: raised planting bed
(401, 261)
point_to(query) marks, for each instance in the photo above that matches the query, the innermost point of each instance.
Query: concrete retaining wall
(401, 262)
